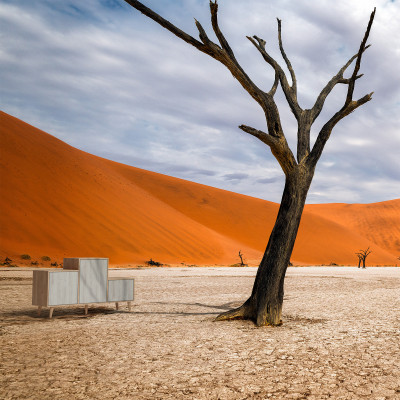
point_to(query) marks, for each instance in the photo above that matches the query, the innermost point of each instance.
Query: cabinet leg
(129, 305)
(51, 312)
(39, 310)
(86, 309)
(116, 306)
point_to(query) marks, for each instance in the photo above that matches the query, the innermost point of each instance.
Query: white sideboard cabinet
(81, 281)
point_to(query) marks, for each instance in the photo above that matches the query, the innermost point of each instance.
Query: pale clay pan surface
(340, 339)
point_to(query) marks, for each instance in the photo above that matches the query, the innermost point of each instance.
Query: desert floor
(340, 339)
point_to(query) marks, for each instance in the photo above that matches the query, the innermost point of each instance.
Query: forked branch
(349, 105)
(221, 38)
(338, 78)
(279, 147)
(224, 54)
(289, 91)
(364, 253)
(275, 137)
(353, 78)
(202, 34)
(326, 130)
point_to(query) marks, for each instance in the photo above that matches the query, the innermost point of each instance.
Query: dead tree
(359, 259)
(264, 305)
(362, 256)
(242, 264)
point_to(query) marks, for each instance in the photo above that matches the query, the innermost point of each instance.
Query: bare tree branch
(288, 64)
(359, 56)
(275, 85)
(287, 90)
(202, 33)
(279, 148)
(326, 130)
(221, 38)
(264, 137)
(347, 81)
(349, 105)
(338, 78)
(167, 25)
(225, 55)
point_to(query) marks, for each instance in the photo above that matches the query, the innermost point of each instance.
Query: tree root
(246, 312)
(236, 313)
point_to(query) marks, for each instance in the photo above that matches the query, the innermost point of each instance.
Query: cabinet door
(93, 273)
(63, 287)
(120, 290)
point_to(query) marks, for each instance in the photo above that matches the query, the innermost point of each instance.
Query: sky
(104, 78)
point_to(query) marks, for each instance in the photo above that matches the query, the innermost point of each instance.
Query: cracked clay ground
(340, 339)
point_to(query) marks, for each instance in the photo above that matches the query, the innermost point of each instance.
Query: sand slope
(378, 222)
(59, 201)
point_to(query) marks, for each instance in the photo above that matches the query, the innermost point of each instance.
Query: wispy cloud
(102, 77)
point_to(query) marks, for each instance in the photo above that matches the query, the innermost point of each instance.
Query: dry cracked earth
(340, 339)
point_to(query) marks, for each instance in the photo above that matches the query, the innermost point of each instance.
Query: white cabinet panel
(93, 274)
(63, 287)
(120, 289)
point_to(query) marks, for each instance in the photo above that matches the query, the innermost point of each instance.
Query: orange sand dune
(59, 201)
(378, 222)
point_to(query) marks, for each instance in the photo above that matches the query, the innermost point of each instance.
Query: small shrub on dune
(25, 257)
(46, 258)
(153, 263)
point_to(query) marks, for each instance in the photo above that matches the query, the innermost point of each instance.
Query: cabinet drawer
(120, 289)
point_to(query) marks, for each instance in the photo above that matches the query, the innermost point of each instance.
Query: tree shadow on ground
(29, 316)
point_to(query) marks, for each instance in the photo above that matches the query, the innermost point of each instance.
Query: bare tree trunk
(241, 259)
(264, 306)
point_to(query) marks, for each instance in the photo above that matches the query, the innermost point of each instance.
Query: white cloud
(104, 78)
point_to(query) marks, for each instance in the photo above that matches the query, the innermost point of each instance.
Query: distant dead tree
(359, 259)
(362, 256)
(242, 264)
(264, 306)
